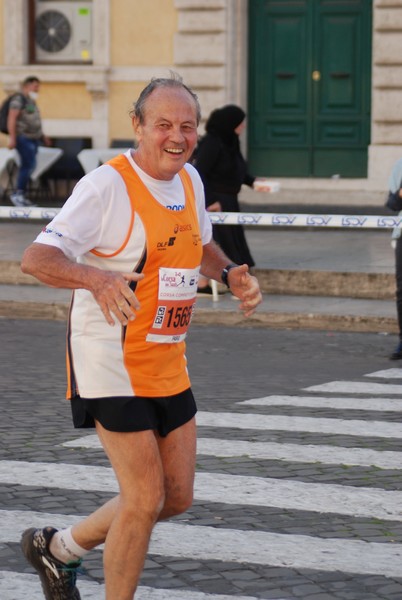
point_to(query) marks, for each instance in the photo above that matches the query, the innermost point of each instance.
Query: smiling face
(167, 137)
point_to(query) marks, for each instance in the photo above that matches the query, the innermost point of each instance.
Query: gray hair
(174, 81)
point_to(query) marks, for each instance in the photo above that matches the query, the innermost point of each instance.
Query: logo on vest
(164, 245)
(180, 228)
(178, 279)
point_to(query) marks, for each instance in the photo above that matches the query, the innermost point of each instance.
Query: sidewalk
(311, 278)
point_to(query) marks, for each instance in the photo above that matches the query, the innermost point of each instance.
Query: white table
(6, 156)
(91, 158)
(45, 158)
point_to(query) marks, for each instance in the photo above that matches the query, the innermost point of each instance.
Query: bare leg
(178, 455)
(167, 476)
(136, 462)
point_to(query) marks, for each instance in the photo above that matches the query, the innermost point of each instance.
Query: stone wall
(211, 50)
(386, 102)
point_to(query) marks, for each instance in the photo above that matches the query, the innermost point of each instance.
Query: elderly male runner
(130, 242)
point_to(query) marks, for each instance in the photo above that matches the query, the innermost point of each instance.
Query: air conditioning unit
(63, 32)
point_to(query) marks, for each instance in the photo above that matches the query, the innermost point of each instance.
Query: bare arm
(242, 284)
(110, 289)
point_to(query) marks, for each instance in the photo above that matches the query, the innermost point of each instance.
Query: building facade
(220, 48)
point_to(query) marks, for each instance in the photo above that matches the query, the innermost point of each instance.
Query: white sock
(65, 548)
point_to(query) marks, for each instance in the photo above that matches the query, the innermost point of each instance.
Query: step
(276, 311)
(302, 282)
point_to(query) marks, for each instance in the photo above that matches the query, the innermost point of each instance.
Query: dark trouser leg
(398, 277)
(397, 354)
(27, 150)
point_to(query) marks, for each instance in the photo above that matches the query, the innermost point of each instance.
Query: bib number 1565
(179, 316)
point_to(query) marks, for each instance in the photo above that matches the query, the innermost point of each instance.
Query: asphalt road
(298, 492)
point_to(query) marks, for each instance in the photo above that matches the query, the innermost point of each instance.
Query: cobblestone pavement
(298, 491)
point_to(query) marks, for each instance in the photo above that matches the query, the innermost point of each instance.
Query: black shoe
(57, 579)
(206, 290)
(397, 354)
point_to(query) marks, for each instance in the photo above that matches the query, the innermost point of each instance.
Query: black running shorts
(137, 413)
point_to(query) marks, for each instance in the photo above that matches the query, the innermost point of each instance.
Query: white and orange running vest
(146, 358)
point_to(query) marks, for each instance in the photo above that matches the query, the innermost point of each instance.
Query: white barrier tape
(28, 212)
(230, 218)
(306, 220)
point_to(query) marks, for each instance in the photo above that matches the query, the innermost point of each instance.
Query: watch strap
(225, 273)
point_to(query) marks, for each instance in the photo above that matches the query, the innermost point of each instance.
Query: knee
(144, 505)
(178, 501)
(150, 505)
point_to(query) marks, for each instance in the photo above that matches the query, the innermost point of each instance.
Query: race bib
(177, 293)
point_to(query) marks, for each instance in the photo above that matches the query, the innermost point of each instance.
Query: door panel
(338, 63)
(309, 108)
(278, 121)
(288, 87)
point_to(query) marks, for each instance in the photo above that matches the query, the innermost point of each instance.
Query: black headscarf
(223, 122)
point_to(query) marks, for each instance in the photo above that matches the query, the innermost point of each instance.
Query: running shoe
(18, 199)
(57, 579)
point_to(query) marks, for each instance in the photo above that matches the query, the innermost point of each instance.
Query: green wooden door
(309, 87)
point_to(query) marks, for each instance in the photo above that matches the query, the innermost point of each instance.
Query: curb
(287, 282)
(11, 309)
(277, 320)
(297, 282)
(269, 320)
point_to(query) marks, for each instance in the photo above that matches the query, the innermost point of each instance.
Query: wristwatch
(225, 273)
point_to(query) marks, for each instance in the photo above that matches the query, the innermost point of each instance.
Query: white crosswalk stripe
(233, 545)
(189, 541)
(387, 374)
(374, 404)
(15, 585)
(273, 451)
(217, 487)
(360, 428)
(356, 387)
